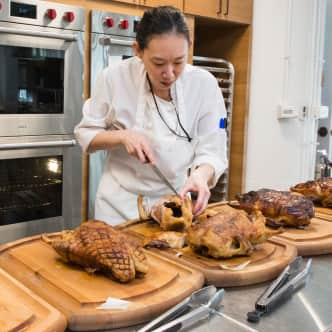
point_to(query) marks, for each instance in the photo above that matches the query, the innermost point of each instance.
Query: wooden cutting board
(22, 310)
(323, 213)
(77, 294)
(267, 261)
(316, 239)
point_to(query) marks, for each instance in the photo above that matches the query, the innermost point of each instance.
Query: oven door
(41, 81)
(40, 187)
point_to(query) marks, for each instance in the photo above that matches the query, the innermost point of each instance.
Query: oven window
(31, 80)
(30, 188)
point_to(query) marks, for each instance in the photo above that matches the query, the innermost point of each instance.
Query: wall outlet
(287, 112)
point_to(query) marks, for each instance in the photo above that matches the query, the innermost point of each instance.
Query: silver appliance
(224, 72)
(41, 98)
(112, 37)
(41, 66)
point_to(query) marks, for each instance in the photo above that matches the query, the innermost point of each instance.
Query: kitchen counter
(309, 309)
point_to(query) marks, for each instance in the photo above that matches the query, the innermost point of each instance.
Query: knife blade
(164, 179)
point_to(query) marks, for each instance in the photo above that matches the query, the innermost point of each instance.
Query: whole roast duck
(228, 232)
(96, 245)
(281, 208)
(319, 191)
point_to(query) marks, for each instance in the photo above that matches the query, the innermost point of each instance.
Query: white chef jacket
(122, 95)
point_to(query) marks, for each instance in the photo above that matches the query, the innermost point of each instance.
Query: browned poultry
(281, 208)
(170, 212)
(228, 233)
(319, 191)
(166, 239)
(96, 245)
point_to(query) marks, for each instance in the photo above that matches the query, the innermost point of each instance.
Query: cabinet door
(209, 8)
(156, 3)
(237, 10)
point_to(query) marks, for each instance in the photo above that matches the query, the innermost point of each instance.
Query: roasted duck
(96, 245)
(166, 239)
(170, 212)
(319, 191)
(230, 232)
(281, 208)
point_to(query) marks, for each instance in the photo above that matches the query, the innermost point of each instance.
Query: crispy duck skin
(96, 245)
(170, 212)
(319, 191)
(281, 208)
(229, 232)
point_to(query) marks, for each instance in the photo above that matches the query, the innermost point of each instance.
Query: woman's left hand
(198, 182)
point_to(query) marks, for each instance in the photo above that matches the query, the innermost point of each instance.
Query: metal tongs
(290, 279)
(202, 302)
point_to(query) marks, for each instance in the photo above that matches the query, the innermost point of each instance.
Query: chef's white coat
(122, 95)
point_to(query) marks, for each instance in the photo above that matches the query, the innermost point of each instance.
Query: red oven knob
(124, 24)
(51, 13)
(109, 22)
(69, 16)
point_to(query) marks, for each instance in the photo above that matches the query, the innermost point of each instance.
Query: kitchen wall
(285, 70)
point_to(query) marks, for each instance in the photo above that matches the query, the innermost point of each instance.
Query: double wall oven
(41, 96)
(112, 37)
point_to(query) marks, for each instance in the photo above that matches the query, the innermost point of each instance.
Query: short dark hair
(160, 20)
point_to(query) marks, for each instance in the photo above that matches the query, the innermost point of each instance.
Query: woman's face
(164, 59)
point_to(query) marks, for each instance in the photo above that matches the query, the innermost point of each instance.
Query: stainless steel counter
(308, 310)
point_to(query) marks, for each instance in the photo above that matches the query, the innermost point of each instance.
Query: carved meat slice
(228, 233)
(167, 239)
(170, 212)
(96, 245)
(281, 208)
(319, 191)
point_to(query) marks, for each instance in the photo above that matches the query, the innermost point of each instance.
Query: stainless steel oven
(41, 66)
(40, 185)
(112, 37)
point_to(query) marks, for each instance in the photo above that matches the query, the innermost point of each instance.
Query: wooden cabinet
(239, 11)
(156, 3)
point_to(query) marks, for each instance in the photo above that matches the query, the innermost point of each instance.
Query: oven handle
(114, 41)
(45, 144)
(67, 37)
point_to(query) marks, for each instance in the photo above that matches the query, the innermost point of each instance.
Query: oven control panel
(42, 13)
(114, 23)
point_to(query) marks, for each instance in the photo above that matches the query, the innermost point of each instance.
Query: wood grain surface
(77, 294)
(323, 213)
(22, 310)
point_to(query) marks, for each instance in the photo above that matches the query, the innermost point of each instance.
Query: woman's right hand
(137, 144)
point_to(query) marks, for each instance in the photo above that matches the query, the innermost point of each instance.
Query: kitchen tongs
(181, 315)
(290, 279)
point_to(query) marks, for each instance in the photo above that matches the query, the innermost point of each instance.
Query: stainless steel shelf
(224, 72)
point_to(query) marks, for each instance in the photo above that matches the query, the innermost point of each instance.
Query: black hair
(160, 20)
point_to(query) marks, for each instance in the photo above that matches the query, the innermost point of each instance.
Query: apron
(121, 183)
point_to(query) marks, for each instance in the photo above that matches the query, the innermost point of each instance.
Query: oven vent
(224, 73)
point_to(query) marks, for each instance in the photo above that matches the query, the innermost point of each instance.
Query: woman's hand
(137, 144)
(198, 182)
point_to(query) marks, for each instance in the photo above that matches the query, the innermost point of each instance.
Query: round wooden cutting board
(266, 262)
(316, 239)
(77, 294)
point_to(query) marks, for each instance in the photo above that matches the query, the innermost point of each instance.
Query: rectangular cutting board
(23, 310)
(77, 293)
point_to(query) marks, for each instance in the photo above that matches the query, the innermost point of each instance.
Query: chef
(155, 108)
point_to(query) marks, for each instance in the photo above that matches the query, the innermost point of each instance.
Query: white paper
(112, 303)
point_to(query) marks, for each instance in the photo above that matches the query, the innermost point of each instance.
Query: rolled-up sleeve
(95, 112)
(211, 143)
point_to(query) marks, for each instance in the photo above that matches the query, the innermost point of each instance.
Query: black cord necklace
(162, 118)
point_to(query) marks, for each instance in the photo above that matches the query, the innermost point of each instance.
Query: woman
(154, 108)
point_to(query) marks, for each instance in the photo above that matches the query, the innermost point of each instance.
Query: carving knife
(164, 179)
